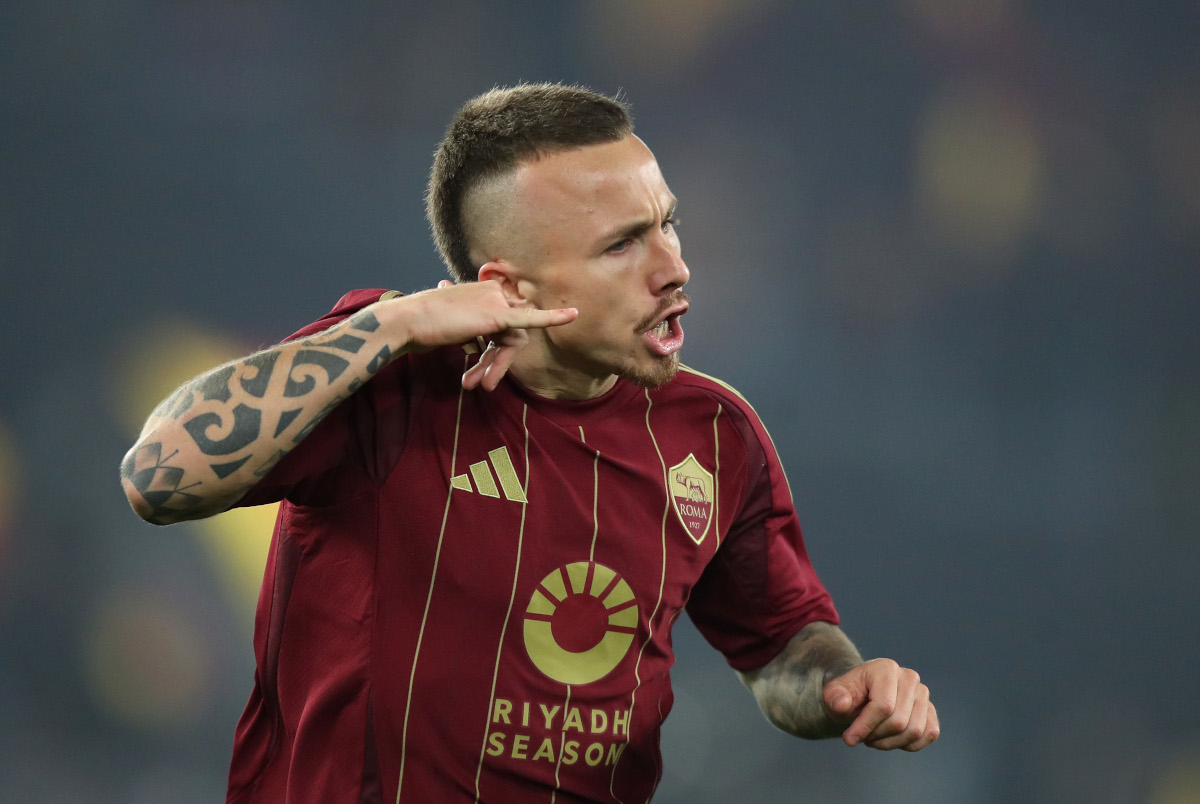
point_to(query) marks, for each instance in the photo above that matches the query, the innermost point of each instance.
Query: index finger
(874, 713)
(533, 318)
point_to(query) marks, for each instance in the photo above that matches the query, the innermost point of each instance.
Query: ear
(508, 277)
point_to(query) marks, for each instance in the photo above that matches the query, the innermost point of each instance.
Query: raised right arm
(217, 435)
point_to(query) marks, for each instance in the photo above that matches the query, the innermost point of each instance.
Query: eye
(619, 246)
(670, 223)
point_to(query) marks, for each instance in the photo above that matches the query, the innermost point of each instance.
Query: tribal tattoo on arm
(788, 688)
(246, 415)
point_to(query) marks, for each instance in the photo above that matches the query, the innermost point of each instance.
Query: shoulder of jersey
(350, 303)
(358, 299)
(355, 300)
(699, 382)
(688, 377)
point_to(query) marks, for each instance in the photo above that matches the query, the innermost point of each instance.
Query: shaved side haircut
(494, 133)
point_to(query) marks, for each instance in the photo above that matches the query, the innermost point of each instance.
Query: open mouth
(667, 337)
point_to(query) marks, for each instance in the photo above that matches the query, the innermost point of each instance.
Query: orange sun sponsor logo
(580, 622)
(691, 489)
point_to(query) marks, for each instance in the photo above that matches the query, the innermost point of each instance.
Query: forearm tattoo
(235, 415)
(789, 688)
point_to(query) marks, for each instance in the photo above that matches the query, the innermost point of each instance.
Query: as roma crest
(691, 488)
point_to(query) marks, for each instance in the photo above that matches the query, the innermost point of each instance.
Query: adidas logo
(481, 473)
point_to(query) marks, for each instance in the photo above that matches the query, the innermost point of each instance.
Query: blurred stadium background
(949, 248)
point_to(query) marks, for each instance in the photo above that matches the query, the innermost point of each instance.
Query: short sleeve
(760, 588)
(334, 458)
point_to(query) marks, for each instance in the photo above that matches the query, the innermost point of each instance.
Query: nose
(669, 271)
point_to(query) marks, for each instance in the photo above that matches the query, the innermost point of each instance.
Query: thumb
(839, 699)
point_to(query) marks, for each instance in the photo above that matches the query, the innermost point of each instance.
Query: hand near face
(453, 313)
(885, 705)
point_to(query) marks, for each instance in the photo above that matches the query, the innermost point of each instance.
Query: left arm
(819, 686)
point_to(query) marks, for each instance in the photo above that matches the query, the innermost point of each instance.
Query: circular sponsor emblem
(580, 622)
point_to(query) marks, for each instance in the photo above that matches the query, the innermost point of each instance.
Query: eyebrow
(635, 229)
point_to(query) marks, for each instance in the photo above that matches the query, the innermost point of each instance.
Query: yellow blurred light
(147, 662)
(9, 486)
(959, 20)
(237, 541)
(662, 37)
(1180, 783)
(150, 364)
(979, 171)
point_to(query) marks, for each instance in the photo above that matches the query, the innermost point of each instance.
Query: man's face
(597, 233)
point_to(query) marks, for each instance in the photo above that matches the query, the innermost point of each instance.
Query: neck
(560, 382)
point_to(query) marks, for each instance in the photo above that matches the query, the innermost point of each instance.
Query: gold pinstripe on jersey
(429, 596)
(513, 593)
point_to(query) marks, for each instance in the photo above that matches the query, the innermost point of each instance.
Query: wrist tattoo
(789, 689)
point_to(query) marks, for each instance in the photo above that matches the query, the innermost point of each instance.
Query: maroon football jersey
(469, 595)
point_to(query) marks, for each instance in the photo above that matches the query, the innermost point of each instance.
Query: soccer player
(500, 493)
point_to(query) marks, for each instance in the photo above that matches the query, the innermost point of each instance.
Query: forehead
(595, 183)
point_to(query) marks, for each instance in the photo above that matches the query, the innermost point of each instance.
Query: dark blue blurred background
(950, 249)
